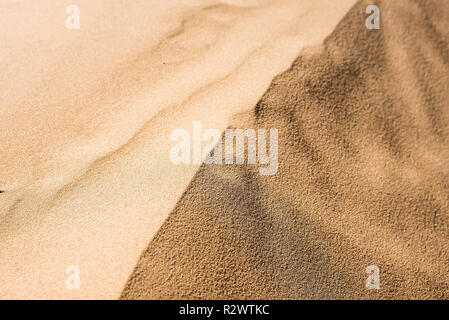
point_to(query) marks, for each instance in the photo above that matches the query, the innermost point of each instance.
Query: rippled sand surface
(363, 179)
(86, 115)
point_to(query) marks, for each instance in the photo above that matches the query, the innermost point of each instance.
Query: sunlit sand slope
(86, 116)
(363, 177)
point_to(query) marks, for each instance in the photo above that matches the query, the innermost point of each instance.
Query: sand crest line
(97, 104)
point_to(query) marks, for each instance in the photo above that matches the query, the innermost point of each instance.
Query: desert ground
(86, 120)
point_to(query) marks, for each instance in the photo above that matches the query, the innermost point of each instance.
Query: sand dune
(363, 177)
(86, 117)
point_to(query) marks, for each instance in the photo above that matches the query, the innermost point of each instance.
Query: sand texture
(86, 116)
(86, 178)
(363, 177)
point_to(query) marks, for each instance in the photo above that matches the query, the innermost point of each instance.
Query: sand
(86, 179)
(86, 115)
(363, 178)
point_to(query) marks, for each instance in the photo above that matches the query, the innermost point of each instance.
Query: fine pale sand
(86, 115)
(86, 178)
(363, 177)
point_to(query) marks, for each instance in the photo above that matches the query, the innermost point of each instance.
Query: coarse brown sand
(86, 116)
(363, 177)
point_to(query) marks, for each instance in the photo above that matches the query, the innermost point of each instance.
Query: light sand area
(85, 118)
